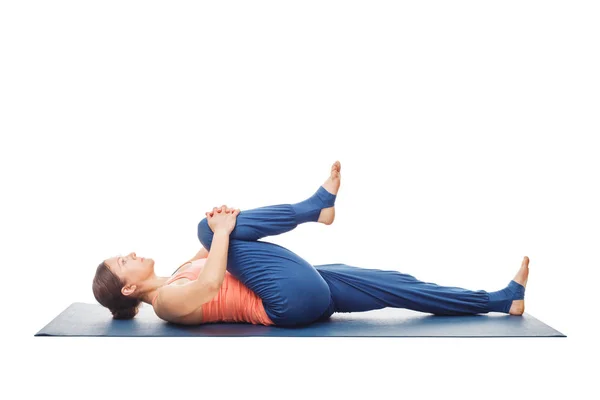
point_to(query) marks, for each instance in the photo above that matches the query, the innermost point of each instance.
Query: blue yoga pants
(296, 293)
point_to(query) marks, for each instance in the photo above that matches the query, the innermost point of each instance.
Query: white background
(467, 135)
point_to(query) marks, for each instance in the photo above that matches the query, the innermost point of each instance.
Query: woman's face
(131, 269)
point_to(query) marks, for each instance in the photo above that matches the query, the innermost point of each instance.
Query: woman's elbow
(214, 286)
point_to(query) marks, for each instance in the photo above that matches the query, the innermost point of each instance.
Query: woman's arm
(180, 300)
(216, 262)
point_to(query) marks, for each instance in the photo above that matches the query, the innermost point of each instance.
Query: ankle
(311, 208)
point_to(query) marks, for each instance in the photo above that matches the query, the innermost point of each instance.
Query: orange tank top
(233, 303)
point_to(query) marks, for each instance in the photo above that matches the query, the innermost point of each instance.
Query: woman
(246, 280)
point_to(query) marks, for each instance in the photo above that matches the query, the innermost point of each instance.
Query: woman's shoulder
(170, 305)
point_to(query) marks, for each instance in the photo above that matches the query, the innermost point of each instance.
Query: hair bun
(124, 313)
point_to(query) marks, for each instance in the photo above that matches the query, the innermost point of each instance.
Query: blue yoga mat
(83, 319)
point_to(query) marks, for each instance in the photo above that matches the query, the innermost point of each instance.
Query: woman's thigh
(292, 291)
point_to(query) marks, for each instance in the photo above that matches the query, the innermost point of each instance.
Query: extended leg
(361, 289)
(272, 220)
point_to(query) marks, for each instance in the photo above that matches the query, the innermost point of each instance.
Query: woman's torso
(233, 303)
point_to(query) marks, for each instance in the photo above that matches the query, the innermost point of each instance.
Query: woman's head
(119, 282)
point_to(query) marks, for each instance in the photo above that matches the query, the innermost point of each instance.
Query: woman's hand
(222, 219)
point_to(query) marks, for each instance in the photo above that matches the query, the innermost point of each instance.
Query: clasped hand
(222, 219)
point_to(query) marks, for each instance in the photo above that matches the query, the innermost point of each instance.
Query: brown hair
(107, 290)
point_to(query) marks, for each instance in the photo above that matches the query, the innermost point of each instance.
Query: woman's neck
(153, 284)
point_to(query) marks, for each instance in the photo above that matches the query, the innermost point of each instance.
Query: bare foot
(518, 306)
(332, 185)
